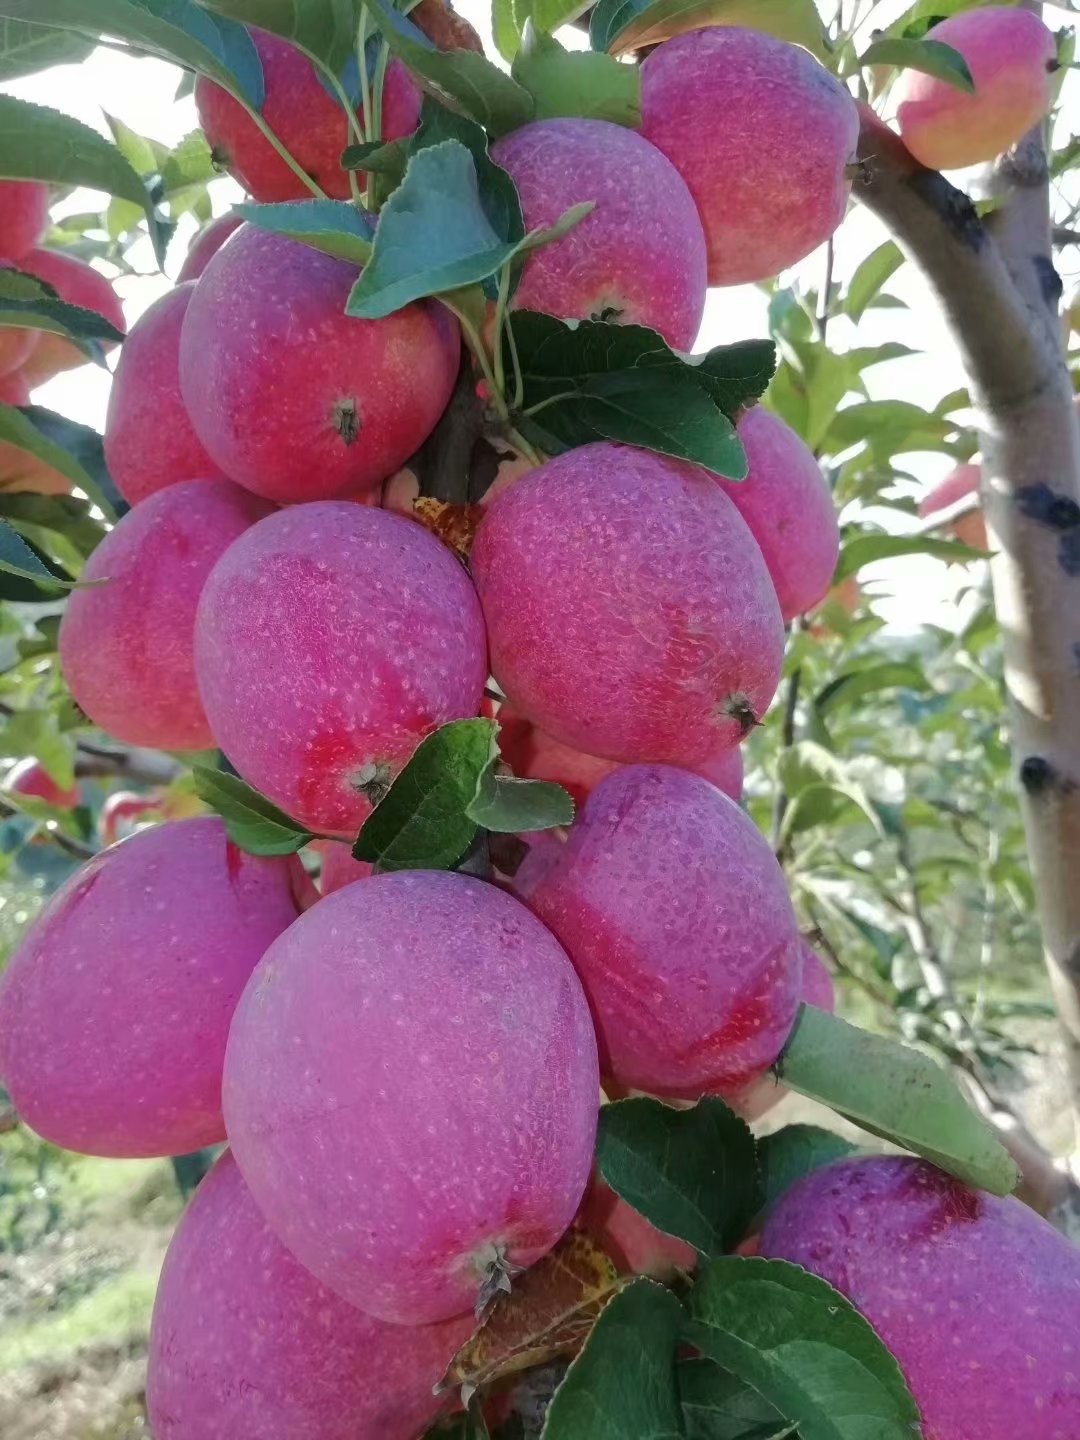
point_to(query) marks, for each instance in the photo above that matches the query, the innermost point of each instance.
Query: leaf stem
(476, 345)
(380, 84)
(520, 443)
(550, 400)
(354, 126)
(519, 379)
(294, 165)
(361, 63)
(500, 323)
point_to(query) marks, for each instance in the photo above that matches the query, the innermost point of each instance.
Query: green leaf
(737, 376)
(826, 804)
(324, 29)
(821, 788)
(691, 1173)
(931, 57)
(253, 822)
(178, 30)
(865, 549)
(73, 449)
(897, 1093)
(433, 235)
(190, 164)
(827, 378)
(35, 732)
(621, 25)
(889, 428)
(379, 157)
(461, 79)
(17, 558)
(803, 1347)
(64, 516)
(852, 687)
(423, 821)
(25, 48)
(333, 226)
(865, 356)
(498, 193)
(548, 15)
(622, 1384)
(718, 1406)
(144, 156)
(870, 276)
(41, 144)
(668, 414)
(509, 805)
(507, 25)
(557, 355)
(788, 1155)
(27, 303)
(436, 235)
(577, 83)
(591, 380)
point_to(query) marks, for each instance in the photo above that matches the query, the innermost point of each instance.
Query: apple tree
(482, 680)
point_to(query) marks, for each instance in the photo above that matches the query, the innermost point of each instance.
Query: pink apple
(330, 641)
(149, 440)
(79, 284)
(304, 114)
(977, 1297)
(24, 217)
(127, 647)
(639, 257)
(115, 1008)
(292, 397)
(676, 915)
(789, 509)
(1012, 56)
(206, 244)
(411, 1091)
(246, 1344)
(764, 137)
(629, 611)
(532, 755)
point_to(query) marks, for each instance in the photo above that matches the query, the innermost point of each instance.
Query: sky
(908, 592)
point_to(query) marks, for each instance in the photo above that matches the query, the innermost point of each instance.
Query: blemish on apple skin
(737, 707)
(347, 420)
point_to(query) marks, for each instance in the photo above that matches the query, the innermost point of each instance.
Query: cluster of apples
(408, 1068)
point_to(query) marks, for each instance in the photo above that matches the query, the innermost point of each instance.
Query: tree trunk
(996, 282)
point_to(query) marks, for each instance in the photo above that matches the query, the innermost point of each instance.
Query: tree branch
(143, 767)
(999, 290)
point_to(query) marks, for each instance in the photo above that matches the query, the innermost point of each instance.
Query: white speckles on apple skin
(114, 1010)
(127, 647)
(676, 915)
(789, 509)
(246, 1344)
(763, 136)
(641, 253)
(964, 1288)
(149, 439)
(626, 602)
(267, 355)
(336, 638)
(489, 1143)
(305, 116)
